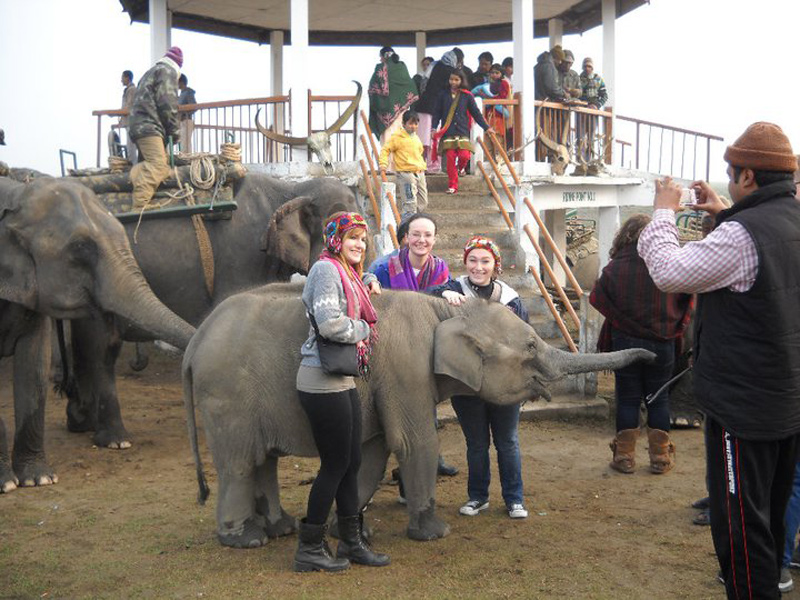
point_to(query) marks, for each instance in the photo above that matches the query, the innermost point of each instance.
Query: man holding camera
(747, 346)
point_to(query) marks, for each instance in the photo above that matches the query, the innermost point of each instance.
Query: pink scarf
(356, 291)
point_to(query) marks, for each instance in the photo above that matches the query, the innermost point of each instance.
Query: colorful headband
(336, 228)
(484, 243)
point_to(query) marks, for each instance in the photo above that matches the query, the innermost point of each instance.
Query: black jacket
(747, 344)
(545, 79)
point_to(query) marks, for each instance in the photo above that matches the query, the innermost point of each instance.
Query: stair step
(466, 183)
(461, 201)
(470, 221)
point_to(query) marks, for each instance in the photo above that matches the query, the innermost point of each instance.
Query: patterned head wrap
(484, 243)
(337, 226)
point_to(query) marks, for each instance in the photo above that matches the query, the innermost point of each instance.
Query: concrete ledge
(564, 407)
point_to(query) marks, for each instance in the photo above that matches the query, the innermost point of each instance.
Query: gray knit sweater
(323, 296)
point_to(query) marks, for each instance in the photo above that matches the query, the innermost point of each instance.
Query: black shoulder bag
(336, 358)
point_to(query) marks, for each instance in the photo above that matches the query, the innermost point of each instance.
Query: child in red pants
(456, 108)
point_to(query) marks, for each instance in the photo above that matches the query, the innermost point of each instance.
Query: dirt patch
(126, 523)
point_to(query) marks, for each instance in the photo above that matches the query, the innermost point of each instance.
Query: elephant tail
(188, 400)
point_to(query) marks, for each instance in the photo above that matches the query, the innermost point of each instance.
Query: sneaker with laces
(785, 584)
(473, 507)
(517, 511)
(452, 191)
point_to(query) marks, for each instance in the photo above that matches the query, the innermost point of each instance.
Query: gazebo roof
(376, 22)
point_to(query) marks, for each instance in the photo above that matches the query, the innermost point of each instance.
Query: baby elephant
(240, 367)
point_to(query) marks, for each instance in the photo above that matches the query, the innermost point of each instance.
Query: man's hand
(374, 288)
(707, 198)
(668, 194)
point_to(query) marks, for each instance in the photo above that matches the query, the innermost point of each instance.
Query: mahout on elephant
(62, 255)
(239, 370)
(276, 231)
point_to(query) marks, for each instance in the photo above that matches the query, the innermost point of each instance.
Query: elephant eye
(82, 250)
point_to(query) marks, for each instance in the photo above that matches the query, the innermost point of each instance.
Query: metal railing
(667, 150)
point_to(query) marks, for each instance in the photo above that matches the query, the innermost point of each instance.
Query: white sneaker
(473, 507)
(517, 511)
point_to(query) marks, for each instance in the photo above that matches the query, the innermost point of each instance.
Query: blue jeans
(792, 517)
(482, 422)
(635, 382)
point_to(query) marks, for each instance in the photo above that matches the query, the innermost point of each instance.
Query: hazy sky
(707, 65)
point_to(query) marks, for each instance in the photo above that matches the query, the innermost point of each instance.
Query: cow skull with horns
(558, 153)
(320, 142)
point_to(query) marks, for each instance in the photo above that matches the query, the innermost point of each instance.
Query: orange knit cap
(762, 147)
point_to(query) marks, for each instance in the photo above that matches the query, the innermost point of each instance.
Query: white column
(524, 60)
(607, 225)
(159, 29)
(609, 42)
(299, 75)
(555, 30)
(556, 222)
(422, 47)
(275, 63)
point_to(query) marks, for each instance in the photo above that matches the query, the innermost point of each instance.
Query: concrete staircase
(473, 211)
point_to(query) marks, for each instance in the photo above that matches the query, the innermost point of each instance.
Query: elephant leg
(418, 466)
(238, 525)
(268, 500)
(96, 347)
(8, 481)
(31, 366)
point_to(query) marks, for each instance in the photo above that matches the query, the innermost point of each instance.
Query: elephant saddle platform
(211, 185)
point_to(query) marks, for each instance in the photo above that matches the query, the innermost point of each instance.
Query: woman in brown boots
(639, 315)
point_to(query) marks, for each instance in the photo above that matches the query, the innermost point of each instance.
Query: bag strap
(313, 323)
(452, 111)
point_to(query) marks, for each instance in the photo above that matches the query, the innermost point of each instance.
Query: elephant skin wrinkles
(239, 370)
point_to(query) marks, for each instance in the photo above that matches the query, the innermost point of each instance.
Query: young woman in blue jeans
(480, 421)
(639, 315)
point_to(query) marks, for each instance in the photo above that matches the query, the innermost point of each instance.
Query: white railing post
(527, 258)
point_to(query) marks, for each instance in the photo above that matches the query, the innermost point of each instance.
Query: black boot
(312, 551)
(353, 546)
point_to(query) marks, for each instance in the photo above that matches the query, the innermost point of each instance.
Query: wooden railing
(585, 130)
(214, 123)
(322, 113)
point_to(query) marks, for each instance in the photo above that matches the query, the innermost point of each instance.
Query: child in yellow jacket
(406, 149)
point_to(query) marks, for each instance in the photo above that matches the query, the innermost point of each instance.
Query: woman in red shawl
(336, 297)
(639, 315)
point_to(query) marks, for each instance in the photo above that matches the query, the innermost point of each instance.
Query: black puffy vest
(747, 345)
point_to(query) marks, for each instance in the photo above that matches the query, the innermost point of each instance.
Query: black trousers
(336, 425)
(749, 484)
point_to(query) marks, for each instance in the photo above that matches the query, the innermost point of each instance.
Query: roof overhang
(377, 22)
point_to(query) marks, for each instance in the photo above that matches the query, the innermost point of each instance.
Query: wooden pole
(560, 290)
(496, 196)
(496, 169)
(394, 236)
(372, 200)
(372, 169)
(504, 155)
(368, 131)
(553, 311)
(556, 252)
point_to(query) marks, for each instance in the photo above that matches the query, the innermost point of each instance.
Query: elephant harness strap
(186, 192)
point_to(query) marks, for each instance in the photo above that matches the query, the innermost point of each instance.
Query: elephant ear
(457, 352)
(17, 270)
(288, 238)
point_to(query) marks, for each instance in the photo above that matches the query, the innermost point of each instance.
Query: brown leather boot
(624, 448)
(662, 451)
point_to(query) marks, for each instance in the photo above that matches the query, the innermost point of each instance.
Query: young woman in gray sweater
(337, 299)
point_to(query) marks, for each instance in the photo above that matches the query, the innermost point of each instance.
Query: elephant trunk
(566, 363)
(125, 292)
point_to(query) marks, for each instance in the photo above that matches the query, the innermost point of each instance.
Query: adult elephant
(61, 255)
(276, 231)
(240, 367)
